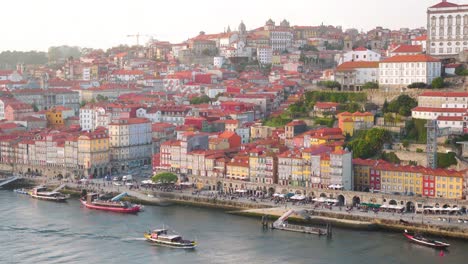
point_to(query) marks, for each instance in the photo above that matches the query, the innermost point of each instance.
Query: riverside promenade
(256, 207)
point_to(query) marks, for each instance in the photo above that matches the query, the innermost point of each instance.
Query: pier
(282, 224)
(8, 180)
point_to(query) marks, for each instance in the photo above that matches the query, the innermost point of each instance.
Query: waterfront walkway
(270, 205)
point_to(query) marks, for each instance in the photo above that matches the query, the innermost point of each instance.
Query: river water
(33, 231)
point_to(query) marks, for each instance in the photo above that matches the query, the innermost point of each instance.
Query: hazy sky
(38, 24)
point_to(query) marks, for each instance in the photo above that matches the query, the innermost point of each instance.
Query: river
(34, 231)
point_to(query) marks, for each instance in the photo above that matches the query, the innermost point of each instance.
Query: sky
(39, 24)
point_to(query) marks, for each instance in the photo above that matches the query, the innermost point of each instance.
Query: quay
(353, 219)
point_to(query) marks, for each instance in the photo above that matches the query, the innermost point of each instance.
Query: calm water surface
(33, 231)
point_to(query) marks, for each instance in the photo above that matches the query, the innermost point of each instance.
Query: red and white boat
(92, 201)
(418, 239)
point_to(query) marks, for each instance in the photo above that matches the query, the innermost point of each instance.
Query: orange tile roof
(351, 65)
(410, 58)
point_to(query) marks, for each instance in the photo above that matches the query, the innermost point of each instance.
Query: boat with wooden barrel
(41, 193)
(419, 239)
(166, 238)
(93, 201)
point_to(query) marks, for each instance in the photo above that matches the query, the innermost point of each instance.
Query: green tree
(405, 143)
(102, 98)
(391, 157)
(385, 106)
(402, 105)
(204, 99)
(368, 143)
(438, 83)
(165, 177)
(445, 160)
(417, 85)
(371, 85)
(34, 107)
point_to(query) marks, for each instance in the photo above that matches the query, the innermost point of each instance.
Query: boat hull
(437, 244)
(134, 209)
(191, 245)
(50, 199)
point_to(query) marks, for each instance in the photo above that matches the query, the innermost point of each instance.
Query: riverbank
(357, 222)
(259, 209)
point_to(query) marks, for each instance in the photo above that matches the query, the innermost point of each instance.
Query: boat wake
(133, 239)
(60, 232)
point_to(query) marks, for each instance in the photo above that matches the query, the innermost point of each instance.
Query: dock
(8, 180)
(282, 224)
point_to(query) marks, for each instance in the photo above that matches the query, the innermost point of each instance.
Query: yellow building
(325, 170)
(401, 179)
(238, 168)
(350, 122)
(93, 153)
(448, 184)
(56, 116)
(259, 131)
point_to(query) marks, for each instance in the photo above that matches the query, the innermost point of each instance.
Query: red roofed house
(17, 110)
(402, 70)
(421, 40)
(360, 54)
(322, 107)
(405, 50)
(352, 75)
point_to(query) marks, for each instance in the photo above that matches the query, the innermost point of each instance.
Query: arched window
(441, 20)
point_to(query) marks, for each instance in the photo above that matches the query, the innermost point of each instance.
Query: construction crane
(137, 36)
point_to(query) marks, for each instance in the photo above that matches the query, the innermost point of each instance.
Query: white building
(359, 54)
(431, 113)
(402, 70)
(92, 117)
(456, 124)
(341, 170)
(447, 26)
(281, 40)
(264, 54)
(443, 99)
(421, 40)
(352, 75)
(130, 142)
(218, 61)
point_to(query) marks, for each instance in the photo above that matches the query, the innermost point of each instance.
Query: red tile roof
(420, 38)
(408, 49)
(350, 65)
(439, 110)
(360, 49)
(445, 94)
(450, 118)
(444, 4)
(411, 58)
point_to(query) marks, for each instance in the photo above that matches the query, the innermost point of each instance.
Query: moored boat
(92, 201)
(419, 239)
(21, 191)
(41, 193)
(164, 238)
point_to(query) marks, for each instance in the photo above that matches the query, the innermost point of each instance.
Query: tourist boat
(41, 193)
(164, 238)
(92, 201)
(21, 191)
(418, 239)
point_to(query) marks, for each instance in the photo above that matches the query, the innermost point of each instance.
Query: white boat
(164, 238)
(41, 193)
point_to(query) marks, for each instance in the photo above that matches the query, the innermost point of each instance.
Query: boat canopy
(118, 197)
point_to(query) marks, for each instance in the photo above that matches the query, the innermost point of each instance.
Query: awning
(241, 191)
(371, 205)
(298, 197)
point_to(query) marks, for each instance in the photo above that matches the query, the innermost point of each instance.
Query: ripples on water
(33, 231)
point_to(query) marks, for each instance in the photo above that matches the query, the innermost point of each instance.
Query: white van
(127, 177)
